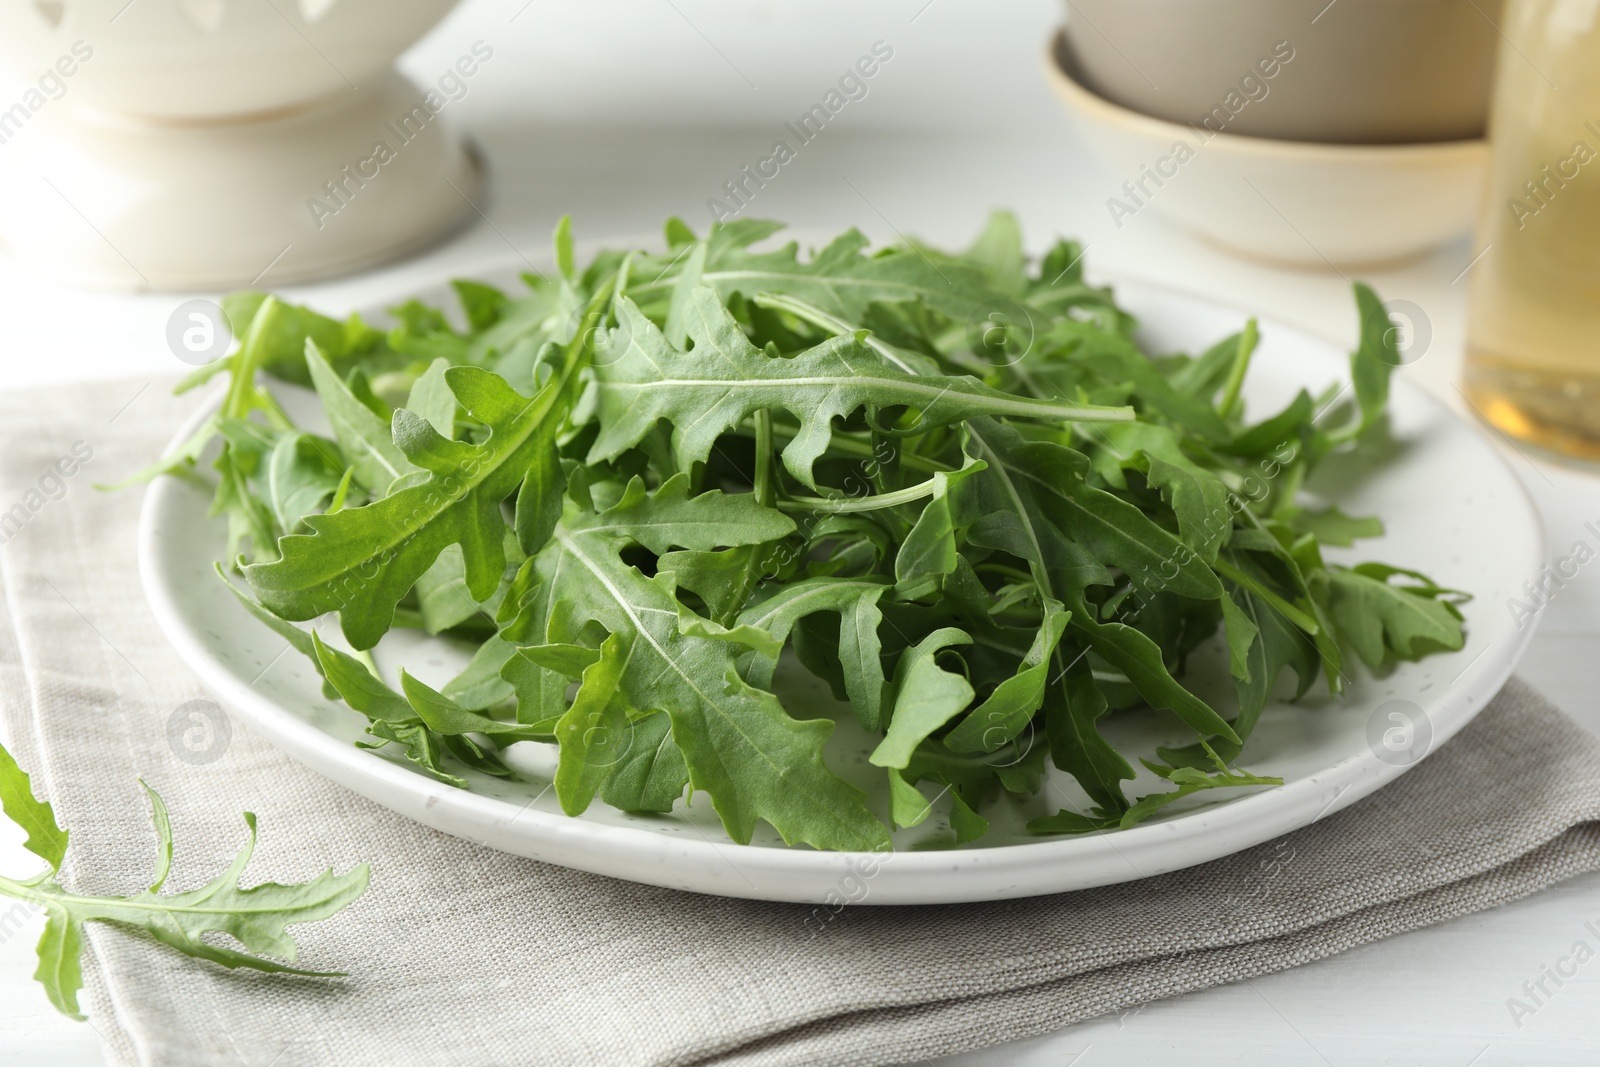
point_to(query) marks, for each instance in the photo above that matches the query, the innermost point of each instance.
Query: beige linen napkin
(462, 955)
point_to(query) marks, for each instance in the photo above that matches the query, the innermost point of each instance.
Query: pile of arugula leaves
(950, 485)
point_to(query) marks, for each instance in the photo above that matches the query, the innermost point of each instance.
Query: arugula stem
(817, 317)
(764, 489)
(24, 889)
(976, 758)
(581, 348)
(839, 505)
(1241, 363)
(1288, 610)
(1004, 571)
(88, 905)
(1288, 490)
(27, 889)
(365, 656)
(863, 450)
(1037, 409)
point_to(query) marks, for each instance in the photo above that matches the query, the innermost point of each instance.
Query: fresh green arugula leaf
(926, 696)
(361, 561)
(738, 742)
(1198, 497)
(1333, 527)
(1189, 780)
(650, 774)
(479, 686)
(998, 253)
(907, 806)
(778, 613)
(302, 475)
(1008, 710)
(432, 399)
(840, 278)
(724, 379)
(256, 918)
(36, 818)
(930, 549)
(363, 437)
(594, 733)
(1374, 360)
(965, 821)
(1384, 621)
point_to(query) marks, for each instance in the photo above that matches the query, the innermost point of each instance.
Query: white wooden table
(623, 112)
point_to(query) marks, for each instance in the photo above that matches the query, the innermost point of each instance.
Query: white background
(623, 112)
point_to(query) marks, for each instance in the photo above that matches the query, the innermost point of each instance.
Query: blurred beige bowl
(1299, 203)
(1352, 71)
(213, 142)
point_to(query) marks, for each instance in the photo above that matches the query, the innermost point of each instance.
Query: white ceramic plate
(1451, 506)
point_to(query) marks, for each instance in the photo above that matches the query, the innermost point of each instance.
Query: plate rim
(795, 874)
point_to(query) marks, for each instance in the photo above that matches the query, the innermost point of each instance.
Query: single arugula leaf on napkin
(257, 918)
